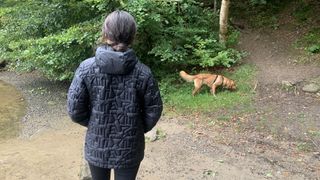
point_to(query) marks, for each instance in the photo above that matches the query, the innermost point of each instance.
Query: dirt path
(267, 147)
(276, 59)
(286, 117)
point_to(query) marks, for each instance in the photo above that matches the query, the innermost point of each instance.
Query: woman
(116, 97)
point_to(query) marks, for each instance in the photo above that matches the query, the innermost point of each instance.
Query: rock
(315, 80)
(85, 173)
(311, 88)
(151, 135)
(52, 103)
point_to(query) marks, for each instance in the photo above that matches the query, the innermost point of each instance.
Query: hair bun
(120, 47)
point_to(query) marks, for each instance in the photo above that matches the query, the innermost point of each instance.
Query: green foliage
(258, 2)
(32, 19)
(314, 48)
(50, 36)
(311, 41)
(305, 146)
(104, 6)
(259, 13)
(56, 55)
(179, 32)
(54, 36)
(305, 11)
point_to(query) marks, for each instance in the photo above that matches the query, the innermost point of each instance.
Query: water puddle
(12, 109)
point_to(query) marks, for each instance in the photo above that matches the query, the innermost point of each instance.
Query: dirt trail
(273, 54)
(285, 117)
(183, 154)
(50, 146)
(276, 59)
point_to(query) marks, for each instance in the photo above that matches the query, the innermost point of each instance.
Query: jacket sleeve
(152, 104)
(78, 99)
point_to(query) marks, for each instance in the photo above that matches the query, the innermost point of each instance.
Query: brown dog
(211, 80)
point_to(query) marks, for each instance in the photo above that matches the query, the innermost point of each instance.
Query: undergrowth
(259, 13)
(305, 14)
(310, 41)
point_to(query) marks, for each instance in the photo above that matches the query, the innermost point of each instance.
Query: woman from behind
(117, 98)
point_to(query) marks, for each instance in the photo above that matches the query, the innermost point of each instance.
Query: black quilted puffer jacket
(116, 97)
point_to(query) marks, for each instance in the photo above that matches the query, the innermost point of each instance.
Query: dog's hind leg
(197, 86)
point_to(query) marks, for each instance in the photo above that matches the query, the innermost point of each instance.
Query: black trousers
(98, 173)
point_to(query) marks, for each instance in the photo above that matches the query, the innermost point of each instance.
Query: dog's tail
(187, 77)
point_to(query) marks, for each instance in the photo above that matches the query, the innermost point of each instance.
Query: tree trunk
(224, 12)
(215, 6)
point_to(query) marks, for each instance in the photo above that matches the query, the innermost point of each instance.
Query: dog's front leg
(213, 89)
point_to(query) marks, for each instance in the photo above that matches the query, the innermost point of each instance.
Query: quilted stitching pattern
(117, 110)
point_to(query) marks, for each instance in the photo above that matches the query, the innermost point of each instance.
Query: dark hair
(118, 30)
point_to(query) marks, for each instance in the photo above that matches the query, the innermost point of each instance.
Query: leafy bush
(258, 2)
(314, 48)
(311, 41)
(32, 19)
(259, 13)
(55, 36)
(56, 55)
(52, 37)
(303, 11)
(179, 33)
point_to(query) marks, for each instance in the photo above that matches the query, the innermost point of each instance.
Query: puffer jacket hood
(113, 62)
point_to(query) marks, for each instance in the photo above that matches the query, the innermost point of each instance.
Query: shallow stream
(12, 109)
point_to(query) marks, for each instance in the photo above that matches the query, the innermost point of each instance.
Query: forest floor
(279, 139)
